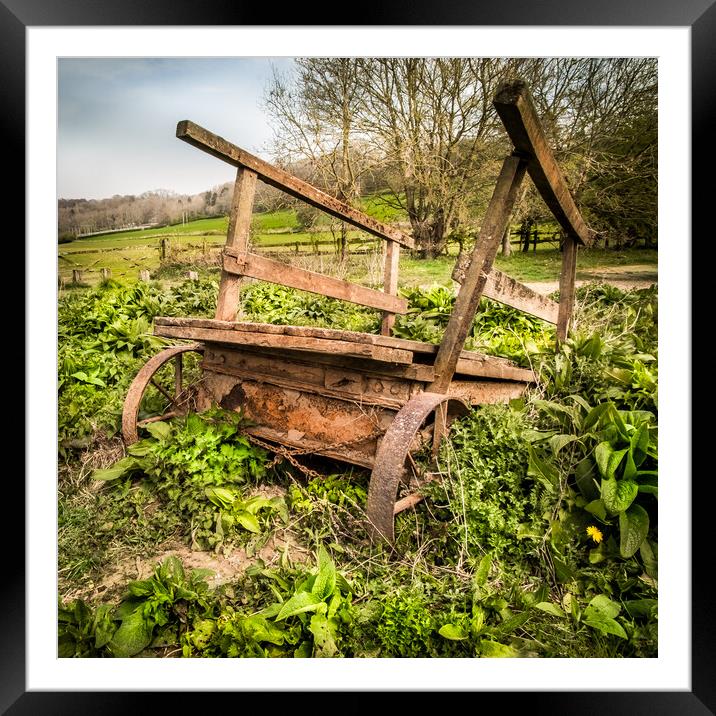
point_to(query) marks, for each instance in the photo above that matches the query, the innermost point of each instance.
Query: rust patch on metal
(234, 399)
(287, 412)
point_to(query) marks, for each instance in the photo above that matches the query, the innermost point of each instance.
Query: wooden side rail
(255, 266)
(515, 108)
(221, 148)
(501, 287)
(532, 154)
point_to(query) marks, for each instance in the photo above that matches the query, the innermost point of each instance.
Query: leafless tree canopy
(421, 135)
(422, 131)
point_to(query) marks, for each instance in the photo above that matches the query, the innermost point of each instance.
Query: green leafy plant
(166, 601)
(83, 631)
(198, 465)
(497, 329)
(308, 618)
(491, 500)
(615, 459)
(152, 613)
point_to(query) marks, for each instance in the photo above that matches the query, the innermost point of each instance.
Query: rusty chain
(283, 452)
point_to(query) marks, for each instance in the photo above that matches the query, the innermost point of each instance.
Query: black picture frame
(699, 15)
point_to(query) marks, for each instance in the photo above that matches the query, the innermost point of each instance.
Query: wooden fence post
(163, 249)
(144, 275)
(106, 274)
(566, 287)
(193, 275)
(76, 276)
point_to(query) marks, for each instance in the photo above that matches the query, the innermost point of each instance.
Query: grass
(282, 220)
(542, 266)
(272, 220)
(377, 207)
(127, 252)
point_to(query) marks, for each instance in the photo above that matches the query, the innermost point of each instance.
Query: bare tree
(432, 119)
(314, 113)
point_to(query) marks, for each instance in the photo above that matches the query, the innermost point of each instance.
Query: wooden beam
(470, 362)
(222, 149)
(566, 288)
(501, 287)
(296, 343)
(514, 106)
(279, 272)
(237, 238)
(390, 282)
(483, 255)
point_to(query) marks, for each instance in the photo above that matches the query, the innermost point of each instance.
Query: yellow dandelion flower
(595, 533)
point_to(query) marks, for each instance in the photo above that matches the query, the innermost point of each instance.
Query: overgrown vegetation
(538, 537)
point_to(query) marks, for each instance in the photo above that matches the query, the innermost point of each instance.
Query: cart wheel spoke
(178, 375)
(145, 378)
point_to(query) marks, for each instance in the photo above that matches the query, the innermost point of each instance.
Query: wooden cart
(370, 400)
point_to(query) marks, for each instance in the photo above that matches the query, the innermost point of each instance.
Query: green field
(197, 244)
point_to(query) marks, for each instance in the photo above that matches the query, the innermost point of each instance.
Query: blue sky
(117, 119)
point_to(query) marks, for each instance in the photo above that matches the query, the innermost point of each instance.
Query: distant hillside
(78, 217)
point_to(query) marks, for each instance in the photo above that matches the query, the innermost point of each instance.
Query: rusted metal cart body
(369, 400)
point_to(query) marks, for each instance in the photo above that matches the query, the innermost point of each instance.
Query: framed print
(35, 35)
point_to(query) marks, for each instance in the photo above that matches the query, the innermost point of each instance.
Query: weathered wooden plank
(222, 149)
(482, 392)
(483, 255)
(302, 382)
(487, 369)
(390, 282)
(296, 343)
(287, 275)
(308, 331)
(566, 288)
(237, 238)
(501, 287)
(470, 362)
(514, 106)
(413, 372)
(316, 447)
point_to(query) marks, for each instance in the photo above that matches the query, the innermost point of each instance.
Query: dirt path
(623, 277)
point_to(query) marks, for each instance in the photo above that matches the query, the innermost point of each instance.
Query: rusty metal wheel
(169, 398)
(394, 451)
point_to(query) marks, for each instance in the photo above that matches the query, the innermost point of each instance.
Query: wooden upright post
(390, 281)
(566, 287)
(237, 238)
(483, 256)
